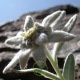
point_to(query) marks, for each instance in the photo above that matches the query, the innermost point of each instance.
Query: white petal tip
(5, 71)
(57, 12)
(27, 17)
(28, 22)
(7, 43)
(74, 16)
(71, 36)
(63, 12)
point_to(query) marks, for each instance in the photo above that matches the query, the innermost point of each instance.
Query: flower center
(28, 34)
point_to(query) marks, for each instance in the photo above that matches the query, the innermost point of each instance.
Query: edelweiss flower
(33, 38)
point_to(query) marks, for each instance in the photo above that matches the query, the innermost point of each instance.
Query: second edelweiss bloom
(33, 39)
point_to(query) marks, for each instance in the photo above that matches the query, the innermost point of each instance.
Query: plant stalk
(53, 63)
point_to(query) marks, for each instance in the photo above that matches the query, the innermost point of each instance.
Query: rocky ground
(11, 28)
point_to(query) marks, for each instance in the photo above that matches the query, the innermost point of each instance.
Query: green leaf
(44, 73)
(68, 69)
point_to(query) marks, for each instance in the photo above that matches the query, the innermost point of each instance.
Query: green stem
(44, 73)
(53, 63)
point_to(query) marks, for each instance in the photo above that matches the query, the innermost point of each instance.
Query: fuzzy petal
(12, 63)
(13, 42)
(39, 57)
(60, 36)
(70, 24)
(51, 18)
(28, 23)
(57, 20)
(42, 28)
(42, 38)
(68, 27)
(25, 53)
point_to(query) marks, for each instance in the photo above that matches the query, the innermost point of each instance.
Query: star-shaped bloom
(33, 37)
